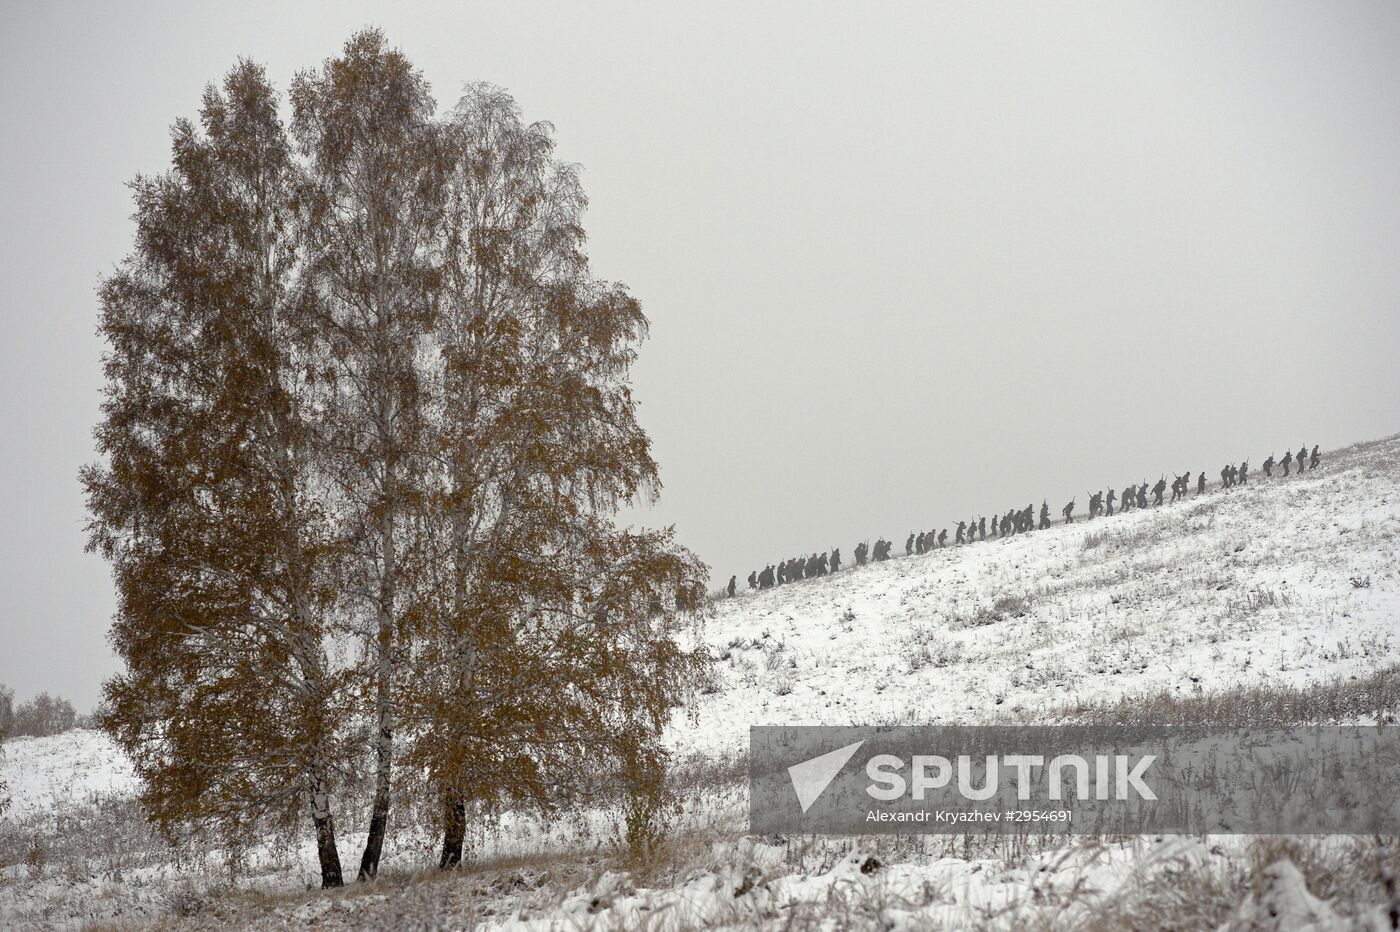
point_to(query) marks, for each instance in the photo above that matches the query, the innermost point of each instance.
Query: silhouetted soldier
(958, 537)
(765, 579)
(1314, 459)
(1186, 483)
(1142, 495)
(909, 544)
(821, 565)
(784, 567)
(1234, 475)
(1108, 502)
(919, 543)
(1269, 467)
(1158, 489)
(1286, 461)
(943, 537)
(982, 528)
(813, 570)
(996, 525)
(753, 580)
(730, 588)
(1302, 457)
(1201, 483)
(835, 560)
(1244, 472)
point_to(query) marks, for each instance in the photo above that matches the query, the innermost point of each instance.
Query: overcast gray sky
(905, 263)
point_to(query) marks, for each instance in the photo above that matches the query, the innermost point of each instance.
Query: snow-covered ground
(1282, 582)
(68, 770)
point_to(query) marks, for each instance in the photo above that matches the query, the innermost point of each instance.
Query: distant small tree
(4, 787)
(7, 720)
(7, 710)
(44, 715)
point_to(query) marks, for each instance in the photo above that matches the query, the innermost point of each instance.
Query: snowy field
(1290, 585)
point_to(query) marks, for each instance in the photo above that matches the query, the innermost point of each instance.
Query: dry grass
(1341, 701)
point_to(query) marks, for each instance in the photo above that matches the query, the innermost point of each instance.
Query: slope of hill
(1290, 580)
(1290, 585)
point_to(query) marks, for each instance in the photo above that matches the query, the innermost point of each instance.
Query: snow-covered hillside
(76, 768)
(1289, 580)
(1284, 582)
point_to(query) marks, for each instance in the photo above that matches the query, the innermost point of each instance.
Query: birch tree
(368, 425)
(550, 647)
(205, 501)
(370, 213)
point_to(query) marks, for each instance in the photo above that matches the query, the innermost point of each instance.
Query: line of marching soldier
(1020, 520)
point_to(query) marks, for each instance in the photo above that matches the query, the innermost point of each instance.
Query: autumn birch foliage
(367, 429)
(370, 209)
(548, 649)
(205, 504)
